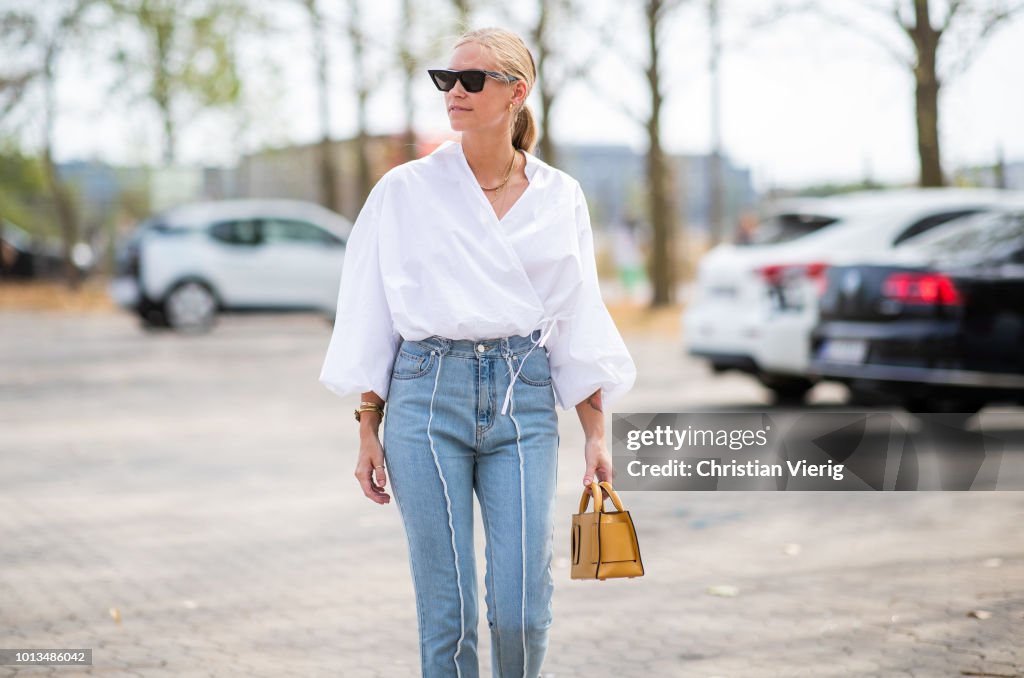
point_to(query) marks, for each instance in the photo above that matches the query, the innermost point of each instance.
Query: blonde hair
(512, 56)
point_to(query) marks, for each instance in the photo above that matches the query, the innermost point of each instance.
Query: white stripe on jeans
(522, 503)
(451, 526)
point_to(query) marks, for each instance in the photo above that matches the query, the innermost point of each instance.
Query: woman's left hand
(599, 462)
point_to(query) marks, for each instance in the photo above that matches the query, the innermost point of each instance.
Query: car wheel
(151, 317)
(153, 320)
(191, 307)
(787, 390)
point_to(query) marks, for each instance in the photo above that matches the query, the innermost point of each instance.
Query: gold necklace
(507, 174)
(504, 194)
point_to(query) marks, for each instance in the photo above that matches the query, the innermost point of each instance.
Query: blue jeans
(444, 436)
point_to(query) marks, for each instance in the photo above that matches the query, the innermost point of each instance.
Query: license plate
(844, 350)
(722, 291)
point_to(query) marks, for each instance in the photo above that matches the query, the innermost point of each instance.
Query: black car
(938, 327)
(32, 256)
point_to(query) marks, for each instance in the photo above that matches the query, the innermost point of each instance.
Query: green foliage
(22, 184)
(185, 61)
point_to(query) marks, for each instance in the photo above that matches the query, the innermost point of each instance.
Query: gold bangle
(369, 407)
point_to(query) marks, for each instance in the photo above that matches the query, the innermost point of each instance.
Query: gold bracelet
(369, 407)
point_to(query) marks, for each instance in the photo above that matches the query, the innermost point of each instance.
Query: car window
(990, 238)
(145, 227)
(928, 223)
(786, 227)
(287, 230)
(239, 232)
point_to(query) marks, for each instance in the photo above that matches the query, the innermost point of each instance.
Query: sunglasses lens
(473, 81)
(443, 80)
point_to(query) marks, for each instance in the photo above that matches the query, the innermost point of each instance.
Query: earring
(510, 107)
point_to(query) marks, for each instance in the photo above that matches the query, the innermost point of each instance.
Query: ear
(520, 91)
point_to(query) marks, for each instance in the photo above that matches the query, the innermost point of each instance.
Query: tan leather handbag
(604, 544)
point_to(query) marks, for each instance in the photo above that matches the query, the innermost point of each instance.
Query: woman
(469, 302)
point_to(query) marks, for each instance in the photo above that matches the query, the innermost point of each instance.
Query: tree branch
(994, 20)
(816, 8)
(613, 97)
(778, 13)
(13, 89)
(954, 7)
(14, 23)
(848, 24)
(607, 38)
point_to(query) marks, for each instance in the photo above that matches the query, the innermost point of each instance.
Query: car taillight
(816, 273)
(775, 275)
(772, 274)
(922, 288)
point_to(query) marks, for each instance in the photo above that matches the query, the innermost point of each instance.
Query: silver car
(184, 265)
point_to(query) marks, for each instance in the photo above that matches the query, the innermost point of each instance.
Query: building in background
(112, 199)
(1005, 175)
(293, 171)
(612, 177)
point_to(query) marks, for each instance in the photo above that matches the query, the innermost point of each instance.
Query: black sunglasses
(472, 79)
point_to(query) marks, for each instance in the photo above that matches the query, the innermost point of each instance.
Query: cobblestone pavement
(184, 506)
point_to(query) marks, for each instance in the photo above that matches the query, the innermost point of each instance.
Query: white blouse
(428, 255)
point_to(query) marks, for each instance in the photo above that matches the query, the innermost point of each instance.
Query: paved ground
(185, 507)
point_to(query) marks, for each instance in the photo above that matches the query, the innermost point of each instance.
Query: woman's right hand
(373, 480)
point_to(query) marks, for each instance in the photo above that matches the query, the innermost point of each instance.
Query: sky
(804, 101)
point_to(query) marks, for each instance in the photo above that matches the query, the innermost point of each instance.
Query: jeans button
(481, 348)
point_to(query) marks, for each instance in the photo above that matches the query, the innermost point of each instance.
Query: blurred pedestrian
(629, 259)
(747, 227)
(469, 302)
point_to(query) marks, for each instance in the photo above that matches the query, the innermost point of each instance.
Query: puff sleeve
(588, 352)
(364, 342)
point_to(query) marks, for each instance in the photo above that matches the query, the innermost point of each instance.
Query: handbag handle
(613, 494)
(595, 490)
(592, 490)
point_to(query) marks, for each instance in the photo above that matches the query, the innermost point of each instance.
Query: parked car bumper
(784, 346)
(899, 356)
(710, 331)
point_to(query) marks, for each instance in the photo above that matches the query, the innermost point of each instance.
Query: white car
(184, 265)
(753, 306)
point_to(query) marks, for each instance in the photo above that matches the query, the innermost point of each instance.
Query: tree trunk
(408, 74)
(363, 151)
(545, 144)
(328, 172)
(999, 171)
(3, 255)
(164, 33)
(66, 216)
(359, 65)
(662, 262)
(169, 133)
(926, 95)
(716, 192)
(463, 9)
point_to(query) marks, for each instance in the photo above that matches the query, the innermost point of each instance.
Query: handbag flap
(617, 542)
